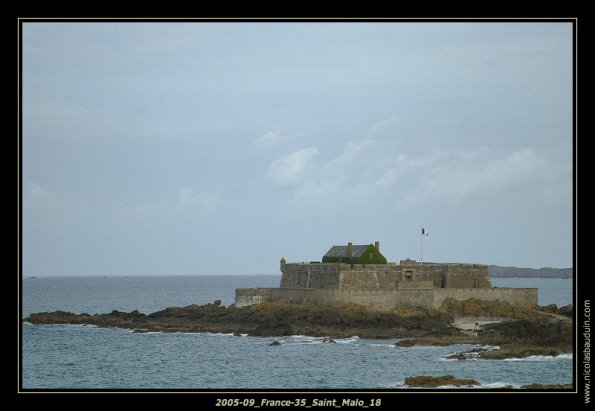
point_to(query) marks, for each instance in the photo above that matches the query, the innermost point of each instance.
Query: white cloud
(453, 177)
(373, 167)
(270, 139)
(379, 126)
(293, 169)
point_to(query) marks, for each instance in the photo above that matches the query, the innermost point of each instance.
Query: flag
(424, 232)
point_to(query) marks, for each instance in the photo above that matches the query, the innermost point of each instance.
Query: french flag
(424, 232)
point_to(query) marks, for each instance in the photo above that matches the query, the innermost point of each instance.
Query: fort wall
(384, 287)
(383, 299)
(384, 276)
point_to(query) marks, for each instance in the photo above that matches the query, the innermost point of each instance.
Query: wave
(220, 334)
(488, 347)
(491, 385)
(303, 340)
(499, 384)
(309, 340)
(565, 356)
(347, 340)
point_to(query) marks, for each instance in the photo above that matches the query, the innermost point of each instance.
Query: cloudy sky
(217, 148)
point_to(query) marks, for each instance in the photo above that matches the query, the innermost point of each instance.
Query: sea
(86, 357)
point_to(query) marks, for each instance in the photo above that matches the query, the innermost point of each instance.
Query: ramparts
(384, 287)
(384, 299)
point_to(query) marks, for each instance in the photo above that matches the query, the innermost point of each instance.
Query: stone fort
(360, 274)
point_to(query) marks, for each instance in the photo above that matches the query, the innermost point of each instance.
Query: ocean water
(79, 357)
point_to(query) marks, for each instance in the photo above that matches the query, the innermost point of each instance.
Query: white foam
(492, 385)
(499, 384)
(220, 334)
(541, 358)
(347, 340)
(457, 387)
(304, 341)
(488, 347)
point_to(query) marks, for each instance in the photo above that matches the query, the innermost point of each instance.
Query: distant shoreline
(496, 271)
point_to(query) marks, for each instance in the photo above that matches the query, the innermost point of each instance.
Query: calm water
(71, 356)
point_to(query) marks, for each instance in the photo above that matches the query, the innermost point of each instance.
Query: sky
(217, 148)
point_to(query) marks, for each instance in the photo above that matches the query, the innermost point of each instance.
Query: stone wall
(415, 284)
(385, 300)
(466, 276)
(303, 275)
(522, 297)
(384, 276)
(368, 276)
(333, 276)
(422, 272)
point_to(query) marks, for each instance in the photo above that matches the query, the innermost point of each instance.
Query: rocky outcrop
(537, 333)
(547, 387)
(543, 335)
(265, 319)
(474, 307)
(424, 381)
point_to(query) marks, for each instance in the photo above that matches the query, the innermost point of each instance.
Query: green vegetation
(370, 256)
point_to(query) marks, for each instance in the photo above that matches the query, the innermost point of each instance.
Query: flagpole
(421, 248)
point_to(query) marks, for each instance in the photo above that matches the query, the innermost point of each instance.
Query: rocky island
(517, 332)
(355, 291)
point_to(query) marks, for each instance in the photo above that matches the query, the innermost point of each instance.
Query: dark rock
(567, 310)
(275, 343)
(273, 329)
(552, 308)
(547, 387)
(538, 334)
(428, 381)
(405, 343)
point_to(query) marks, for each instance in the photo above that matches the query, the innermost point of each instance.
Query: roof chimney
(349, 249)
(377, 246)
